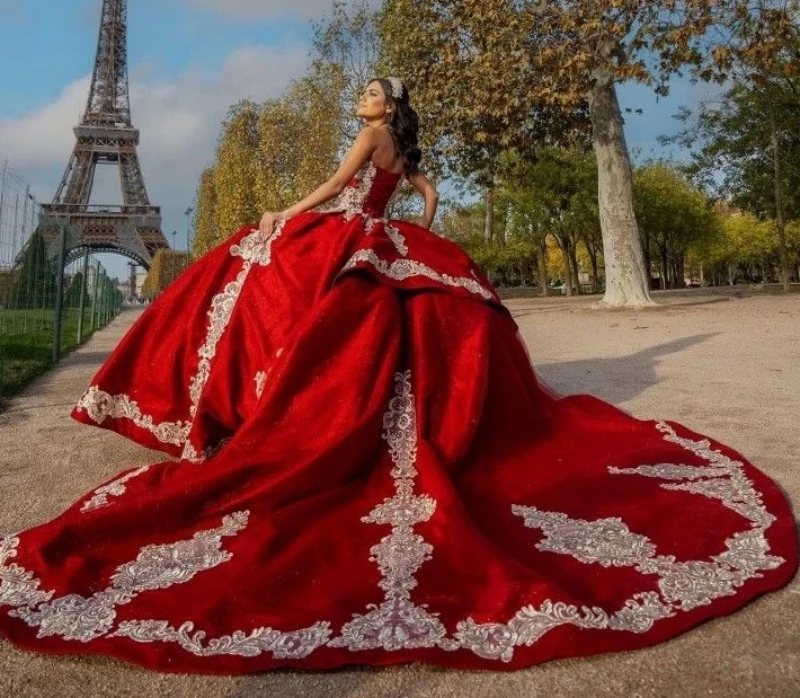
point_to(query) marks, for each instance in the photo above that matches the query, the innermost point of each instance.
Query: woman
(369, 471)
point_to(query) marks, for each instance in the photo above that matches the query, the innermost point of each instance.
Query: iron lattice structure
(106, 135)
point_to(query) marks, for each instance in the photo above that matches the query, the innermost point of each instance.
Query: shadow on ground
(616, 379)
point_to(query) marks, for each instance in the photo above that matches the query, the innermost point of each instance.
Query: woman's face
(372, 102)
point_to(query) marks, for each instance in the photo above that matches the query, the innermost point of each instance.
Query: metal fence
(47, 306)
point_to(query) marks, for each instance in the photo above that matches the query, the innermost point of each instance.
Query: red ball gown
(366, 470)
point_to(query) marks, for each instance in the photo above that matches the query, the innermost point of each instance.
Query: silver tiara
(397, 87)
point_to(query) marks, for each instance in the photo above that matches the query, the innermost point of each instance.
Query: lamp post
(188, 212)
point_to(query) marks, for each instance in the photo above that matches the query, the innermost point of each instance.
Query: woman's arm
(423, 185)
(363, 146)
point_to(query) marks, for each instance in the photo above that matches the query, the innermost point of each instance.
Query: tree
(756, 130)
(467, 66)
(584, 48)
(555, 195)
(592, 239)
(72, 298)
(205, 222)
(347, 54)
(761, 50)
(740, 246)
(731, 143)
(491, 92)
(236, 167)
(672, 215)
(746, 150)
(35, 283)
(299, 136)
(752, 243)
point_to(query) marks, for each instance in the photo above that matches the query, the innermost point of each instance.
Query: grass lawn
(26, 345)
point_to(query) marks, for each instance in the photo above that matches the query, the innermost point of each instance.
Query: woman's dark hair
(404, 126)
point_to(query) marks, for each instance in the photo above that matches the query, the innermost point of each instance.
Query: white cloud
(35, 138)
(179, 123)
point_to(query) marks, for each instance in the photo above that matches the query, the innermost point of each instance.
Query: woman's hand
(267, 223)
(269, 219)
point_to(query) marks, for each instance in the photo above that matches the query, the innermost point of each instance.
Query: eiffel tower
(106, 135)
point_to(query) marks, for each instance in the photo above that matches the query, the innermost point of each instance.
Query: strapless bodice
(368, 191)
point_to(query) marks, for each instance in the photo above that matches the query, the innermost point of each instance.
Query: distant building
(124, 285)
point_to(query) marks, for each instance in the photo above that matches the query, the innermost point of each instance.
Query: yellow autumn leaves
(268, 156)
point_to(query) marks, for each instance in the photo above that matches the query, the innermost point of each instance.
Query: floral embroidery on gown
(366, 470)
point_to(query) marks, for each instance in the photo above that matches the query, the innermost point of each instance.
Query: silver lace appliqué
(683, 586)
(80, 618)
(190, 452)
(398, 623)
(397, 238)
(401, 269)
(351, 199)
(254, 248)
(100, 405)
(294, 644)
(115, 488)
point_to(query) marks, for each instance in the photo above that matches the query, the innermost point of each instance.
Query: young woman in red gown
(369, 472)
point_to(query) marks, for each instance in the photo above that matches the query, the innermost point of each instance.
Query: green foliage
(556, 195)
(732, 152)
(742, 246)
(671, 212)
(672, 215)
(35, 283)
(72, 298)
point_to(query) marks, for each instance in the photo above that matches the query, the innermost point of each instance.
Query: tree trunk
(566, 269)
(673, 272)
(780, 211)
(542, 262)
(593, 261)
(662, 253)
(626, 279)
(503, 236)
(573, 261)
(488, 228)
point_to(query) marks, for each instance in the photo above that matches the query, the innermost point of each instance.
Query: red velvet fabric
(370, 473)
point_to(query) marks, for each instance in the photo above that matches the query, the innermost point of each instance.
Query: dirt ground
(724, 366)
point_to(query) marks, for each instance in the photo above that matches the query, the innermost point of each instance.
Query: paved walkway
(726, 367)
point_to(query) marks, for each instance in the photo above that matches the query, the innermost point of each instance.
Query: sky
(188, 61)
